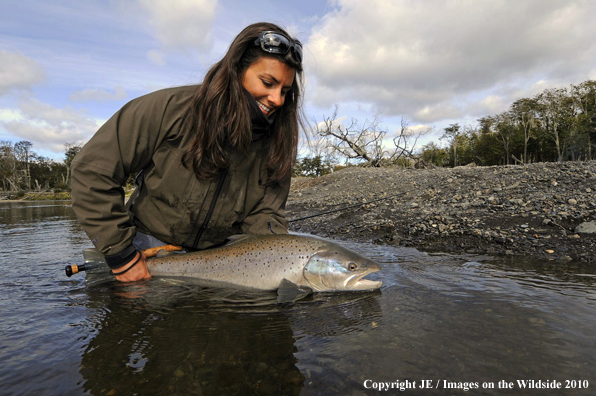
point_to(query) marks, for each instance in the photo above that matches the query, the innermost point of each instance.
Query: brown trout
(294, 265)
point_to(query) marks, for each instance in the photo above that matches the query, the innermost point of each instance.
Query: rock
(490, 208)
(179, 373)
(589, 227)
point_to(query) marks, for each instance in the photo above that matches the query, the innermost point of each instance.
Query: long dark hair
(219, 113)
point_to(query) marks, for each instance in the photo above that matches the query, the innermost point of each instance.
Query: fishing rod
(350, 206)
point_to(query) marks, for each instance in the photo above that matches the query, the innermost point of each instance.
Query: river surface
(451, 323)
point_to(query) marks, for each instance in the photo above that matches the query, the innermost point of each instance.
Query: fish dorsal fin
(289, 292)
(237, 238)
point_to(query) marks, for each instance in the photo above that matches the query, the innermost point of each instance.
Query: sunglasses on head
(277, 43)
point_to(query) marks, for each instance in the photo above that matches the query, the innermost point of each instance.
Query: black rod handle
(74, 269)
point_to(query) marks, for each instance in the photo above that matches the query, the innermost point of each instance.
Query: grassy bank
(41, 196)
(36, 196)
(45, 196)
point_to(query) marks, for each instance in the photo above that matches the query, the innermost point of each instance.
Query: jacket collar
(261, 124)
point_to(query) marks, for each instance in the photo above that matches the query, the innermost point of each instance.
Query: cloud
(181, 24)
(8, 115)
(438, 111)
(97, 95)
(423, 59)
(46, 126)
(18, 72)
(420, 129)
(156, 57)
(493, 104)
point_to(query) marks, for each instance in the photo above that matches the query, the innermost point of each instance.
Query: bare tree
(354, 142)
(368, 142)
(404, 147)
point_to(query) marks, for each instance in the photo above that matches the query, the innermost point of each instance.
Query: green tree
(433, 154)
(523, 111)
(584, 99)
(312, 167)
(8, 163)
(551, 104)
(452, 134)
(42, 172)
(71, 150)
(23, 156)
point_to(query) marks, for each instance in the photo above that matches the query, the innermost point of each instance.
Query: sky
(66, 65)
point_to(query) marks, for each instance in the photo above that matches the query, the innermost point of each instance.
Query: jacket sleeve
(269, 216)
(123, 145)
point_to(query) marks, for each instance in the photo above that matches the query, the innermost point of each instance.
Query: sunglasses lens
(276, 43)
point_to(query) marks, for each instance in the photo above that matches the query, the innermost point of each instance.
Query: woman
(213, 160)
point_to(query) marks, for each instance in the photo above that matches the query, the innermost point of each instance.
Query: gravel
(542, 210)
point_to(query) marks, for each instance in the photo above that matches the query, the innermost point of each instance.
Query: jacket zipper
(220, 183)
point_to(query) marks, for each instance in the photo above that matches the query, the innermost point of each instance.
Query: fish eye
(352, 266)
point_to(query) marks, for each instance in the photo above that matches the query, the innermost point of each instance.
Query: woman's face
(269, 80)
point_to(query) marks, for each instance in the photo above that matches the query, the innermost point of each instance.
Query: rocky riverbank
(543, 210)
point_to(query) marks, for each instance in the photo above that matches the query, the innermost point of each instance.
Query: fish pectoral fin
(93, 256)
(290, 292)
(163, 253)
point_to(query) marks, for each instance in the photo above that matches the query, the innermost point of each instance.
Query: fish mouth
(357, 282)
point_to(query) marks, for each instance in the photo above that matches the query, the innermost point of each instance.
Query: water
(458, 321)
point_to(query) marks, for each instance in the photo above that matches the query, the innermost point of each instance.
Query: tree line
(558, 124)
(21, 169)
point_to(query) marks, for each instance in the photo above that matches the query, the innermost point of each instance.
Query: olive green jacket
(171, 204)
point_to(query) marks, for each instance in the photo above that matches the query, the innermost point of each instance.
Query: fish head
(336, 268)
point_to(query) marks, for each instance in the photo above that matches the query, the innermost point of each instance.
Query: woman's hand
(138, 272)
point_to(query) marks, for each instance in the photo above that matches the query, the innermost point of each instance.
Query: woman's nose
(276, 98)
